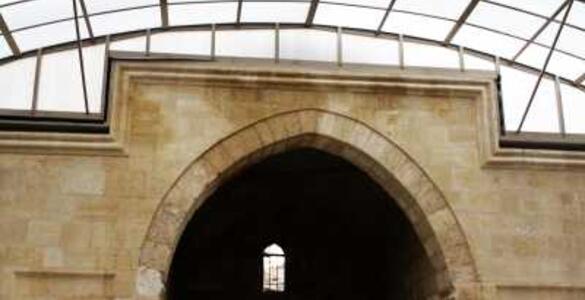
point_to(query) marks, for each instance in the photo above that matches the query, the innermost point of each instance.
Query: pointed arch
(382, 159)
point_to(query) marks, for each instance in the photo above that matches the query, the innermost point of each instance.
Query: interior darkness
(343, 237)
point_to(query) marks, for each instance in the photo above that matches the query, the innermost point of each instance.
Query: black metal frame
(548, 57)
(7, 34)
(163, 5)
(462, 19)
(98, 123)
(233, 26)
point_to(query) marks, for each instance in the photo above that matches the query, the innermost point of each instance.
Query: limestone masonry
(97, 217)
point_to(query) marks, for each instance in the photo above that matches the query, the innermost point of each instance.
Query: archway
(381, 159)
(342, 237)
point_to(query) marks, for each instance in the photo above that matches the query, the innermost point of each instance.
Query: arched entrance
(423, 205)
(341, 237)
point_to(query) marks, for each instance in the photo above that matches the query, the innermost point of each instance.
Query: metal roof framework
(466, 18)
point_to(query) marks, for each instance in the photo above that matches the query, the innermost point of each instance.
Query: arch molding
(382, 159)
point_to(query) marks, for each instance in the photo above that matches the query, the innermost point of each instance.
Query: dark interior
(342, 235)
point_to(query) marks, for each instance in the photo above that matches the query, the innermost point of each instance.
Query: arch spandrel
(385, 162)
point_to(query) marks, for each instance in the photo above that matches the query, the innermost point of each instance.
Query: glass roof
(520, 32)
(501, 24)
(499, 27)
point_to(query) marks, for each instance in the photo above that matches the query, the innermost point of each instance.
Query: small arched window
(273, 269)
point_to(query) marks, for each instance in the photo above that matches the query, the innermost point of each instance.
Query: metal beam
(401, 51)
(581, 79)
(80, 53)
(37, 79)
(86, 18)
(386, 14)
(105, 76)
(147, 46)
(311, 13)
(72, 45)
(497, 64)
(466, 13)
(541, 29)
(461, 52)
(8, 37)
(212, 50)
(339, 46)
(164, 13)
(560, 111)
(239, 18)
(550, 52)
(277, 43)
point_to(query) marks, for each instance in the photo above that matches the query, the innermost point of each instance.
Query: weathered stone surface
(498, 233)
(149, 283)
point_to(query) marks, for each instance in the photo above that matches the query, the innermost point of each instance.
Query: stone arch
(383, 160)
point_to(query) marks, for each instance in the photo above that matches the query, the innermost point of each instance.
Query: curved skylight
(521, 33)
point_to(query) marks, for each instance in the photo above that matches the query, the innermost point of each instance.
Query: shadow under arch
(424, 205)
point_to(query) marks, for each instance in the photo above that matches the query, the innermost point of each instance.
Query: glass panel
(60, 83)
(443, 8)
(93, 59)
(366, 50)
(487, 41)
(571, 39)
(95, 6)
(17, 80)
(202, 13)
(577, 15)
(517, 86)
(418, 26)
(506, 20)
(534, 56)
(561, 64)
(475, 63)
(543, 114)
(293, 45)
(548, 35)
(119, 22)
(60, 86)
(542, 7)
(253, 43)
(373, 3)
(282, 12)
(338, 15)
(4, 48)
(133, 44)
(430, 56)
(36, 12)
(573, 108)
(48, 35)
(195, 42)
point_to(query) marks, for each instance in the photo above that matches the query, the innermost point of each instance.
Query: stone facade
(98, 217)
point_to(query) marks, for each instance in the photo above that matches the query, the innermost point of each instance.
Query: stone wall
(77, 223)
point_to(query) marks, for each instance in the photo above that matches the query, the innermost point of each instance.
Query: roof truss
(543, 70)
(386, 14)
(86, 18)
(311, 13)
(164, 13)
(466, 13)
(541, 29)
(8, 37)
